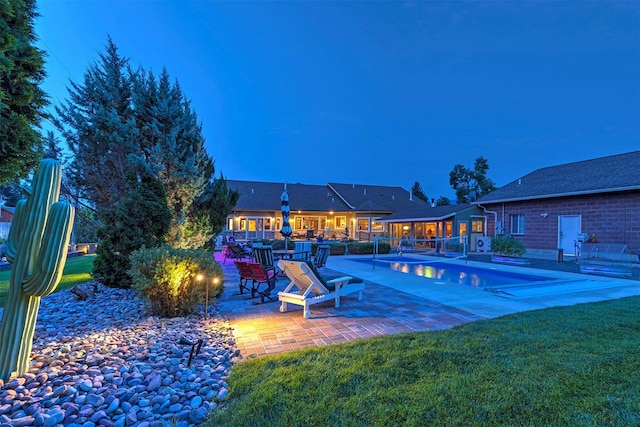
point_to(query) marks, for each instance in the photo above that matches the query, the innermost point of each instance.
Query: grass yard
(77, 270)
(567, 366)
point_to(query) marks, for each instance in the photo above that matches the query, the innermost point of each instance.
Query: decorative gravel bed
(106, 362)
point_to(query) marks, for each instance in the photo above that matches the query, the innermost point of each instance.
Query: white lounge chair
(308, 287)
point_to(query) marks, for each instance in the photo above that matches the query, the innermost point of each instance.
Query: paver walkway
(261, 329)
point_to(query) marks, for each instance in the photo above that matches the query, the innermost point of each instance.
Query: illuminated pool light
(447, 273)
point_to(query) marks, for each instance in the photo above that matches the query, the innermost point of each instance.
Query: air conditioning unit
(483, 244)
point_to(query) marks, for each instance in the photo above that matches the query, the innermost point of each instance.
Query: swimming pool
(454, 274)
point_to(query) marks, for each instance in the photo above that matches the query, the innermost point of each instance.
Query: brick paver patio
(260, 329)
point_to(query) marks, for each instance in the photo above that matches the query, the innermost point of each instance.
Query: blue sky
(376, 92)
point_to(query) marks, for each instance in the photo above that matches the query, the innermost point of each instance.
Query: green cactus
(37, 248)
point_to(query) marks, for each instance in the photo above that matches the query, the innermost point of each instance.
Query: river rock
(122, 368)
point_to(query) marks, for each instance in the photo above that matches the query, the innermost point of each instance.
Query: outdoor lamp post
(215, 281)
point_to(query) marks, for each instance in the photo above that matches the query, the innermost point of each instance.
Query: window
(229, 223)
(267, 224)
(340, 222)
(377, 226)
(462, 228)
(517, 224)
(363, 224)
(477, 226)
(310, 222)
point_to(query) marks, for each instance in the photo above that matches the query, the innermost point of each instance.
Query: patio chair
(235, 251)
(308, 287)
(245, 276)
(302, 250)
(264, 256)
(322, 254)
(260, 275)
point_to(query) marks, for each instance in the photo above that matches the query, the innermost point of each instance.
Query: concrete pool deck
(395, 302)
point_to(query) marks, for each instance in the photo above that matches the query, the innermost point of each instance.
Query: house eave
(421, 218)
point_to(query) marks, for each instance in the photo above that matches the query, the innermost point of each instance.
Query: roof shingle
(605, 174)
(337, 197)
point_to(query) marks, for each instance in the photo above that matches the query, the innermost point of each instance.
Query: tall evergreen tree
(11, 193)
(215, 204)
(52, 149)
(97, 123)
(417, 192)
(443, 201)
(118, 122)
(141, 218)
(176, 152)
(21, 99)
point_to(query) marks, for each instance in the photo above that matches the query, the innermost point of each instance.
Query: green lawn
(569, 366)
(77, 270)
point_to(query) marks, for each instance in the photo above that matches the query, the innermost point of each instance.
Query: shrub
(366, 248)
(168, 278)
(507, 245)
(384, 247)
(337, 248)
(279, 244)
(334, 248)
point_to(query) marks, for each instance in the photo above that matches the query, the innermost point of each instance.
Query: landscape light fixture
(215, 281)
(196, 346)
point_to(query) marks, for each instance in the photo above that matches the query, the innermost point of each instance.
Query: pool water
(455, 274)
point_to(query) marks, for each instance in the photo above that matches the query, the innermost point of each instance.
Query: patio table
(290, 253)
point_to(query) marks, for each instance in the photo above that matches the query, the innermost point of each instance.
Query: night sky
(376, 92)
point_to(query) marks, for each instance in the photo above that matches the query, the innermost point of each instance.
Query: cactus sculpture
(37, 248)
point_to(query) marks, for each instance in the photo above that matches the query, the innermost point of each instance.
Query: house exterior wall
(276, 218)
(613, 217)
(6, 216)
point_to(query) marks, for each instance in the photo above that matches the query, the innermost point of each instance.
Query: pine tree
(140, 219)
(215, 204)
(173, 139)
(97, 123)
(417, 192)
(21, 99)
(117, 123)
(11, 193)
(52, 149)
(443, 201)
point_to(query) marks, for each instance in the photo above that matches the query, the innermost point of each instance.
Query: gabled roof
(376, 198)
(265, 196)
(8, 209)
(428, 213)
(602, 175)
